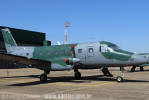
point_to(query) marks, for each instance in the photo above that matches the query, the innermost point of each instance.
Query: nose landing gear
(121, 78)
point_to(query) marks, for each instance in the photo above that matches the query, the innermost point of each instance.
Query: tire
(77, 75)
(43, 78)
(119, 79)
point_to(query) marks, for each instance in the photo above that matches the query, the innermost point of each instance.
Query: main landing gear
(106, 72)
(43, 77)
(77, 74)
(121, 78)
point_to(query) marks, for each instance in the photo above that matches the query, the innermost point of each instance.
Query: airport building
(23, 38)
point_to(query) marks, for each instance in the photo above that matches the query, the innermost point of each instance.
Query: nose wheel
(121, 78)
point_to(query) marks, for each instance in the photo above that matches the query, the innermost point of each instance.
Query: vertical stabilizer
(9, 41)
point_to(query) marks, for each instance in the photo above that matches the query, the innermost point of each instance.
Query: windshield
(114, 47)
(105, 49)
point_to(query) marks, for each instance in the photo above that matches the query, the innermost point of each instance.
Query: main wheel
(141, 68)
(43, 78)
(77, 75)
(119, 79)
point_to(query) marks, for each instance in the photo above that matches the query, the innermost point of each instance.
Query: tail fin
(8, 39)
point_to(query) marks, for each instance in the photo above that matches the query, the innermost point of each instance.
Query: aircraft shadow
(71, 79)
(139, 71)
(33, 76)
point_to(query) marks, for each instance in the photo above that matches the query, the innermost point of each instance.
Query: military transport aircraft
(94, 55)
(145, 55)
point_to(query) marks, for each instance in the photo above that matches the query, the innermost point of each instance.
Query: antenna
(67, 24)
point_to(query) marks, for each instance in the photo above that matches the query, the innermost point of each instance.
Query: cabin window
(90, 50)
(27, 54)
(79, 50)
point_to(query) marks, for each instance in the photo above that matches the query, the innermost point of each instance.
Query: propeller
(73, 60)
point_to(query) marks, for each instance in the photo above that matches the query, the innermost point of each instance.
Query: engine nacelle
(71, 61)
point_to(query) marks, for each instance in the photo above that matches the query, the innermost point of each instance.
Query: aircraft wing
(36, 63)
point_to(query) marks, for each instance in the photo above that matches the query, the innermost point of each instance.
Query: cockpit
(114, 47)
(108, 47)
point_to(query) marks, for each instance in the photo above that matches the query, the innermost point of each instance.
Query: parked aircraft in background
(145, 55)
(77, 56)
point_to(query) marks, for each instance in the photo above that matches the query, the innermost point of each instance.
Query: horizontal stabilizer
(37, 63)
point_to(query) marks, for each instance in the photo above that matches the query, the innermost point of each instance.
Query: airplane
(145, 55)
(94, 55)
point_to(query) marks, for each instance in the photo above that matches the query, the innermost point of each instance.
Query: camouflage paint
(56, 54)
(8, 37)
(119, 54)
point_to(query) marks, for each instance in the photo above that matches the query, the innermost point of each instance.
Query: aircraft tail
(9, 41)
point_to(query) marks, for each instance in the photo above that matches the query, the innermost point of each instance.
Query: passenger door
(81, 53)
(91, 57)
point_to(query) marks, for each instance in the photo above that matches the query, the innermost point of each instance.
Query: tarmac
(24, 84)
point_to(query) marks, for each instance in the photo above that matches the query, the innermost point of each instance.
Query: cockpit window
(114, 47)
(105, 49)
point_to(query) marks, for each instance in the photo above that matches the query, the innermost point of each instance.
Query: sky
(123, 22)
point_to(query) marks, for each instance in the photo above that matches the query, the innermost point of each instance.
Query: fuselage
(106, 54)
(90, 55)
(146, 56)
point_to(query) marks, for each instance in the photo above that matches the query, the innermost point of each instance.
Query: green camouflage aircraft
(93, 55)
(145, 55)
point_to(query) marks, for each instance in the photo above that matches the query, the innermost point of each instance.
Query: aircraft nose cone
(139, 59)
